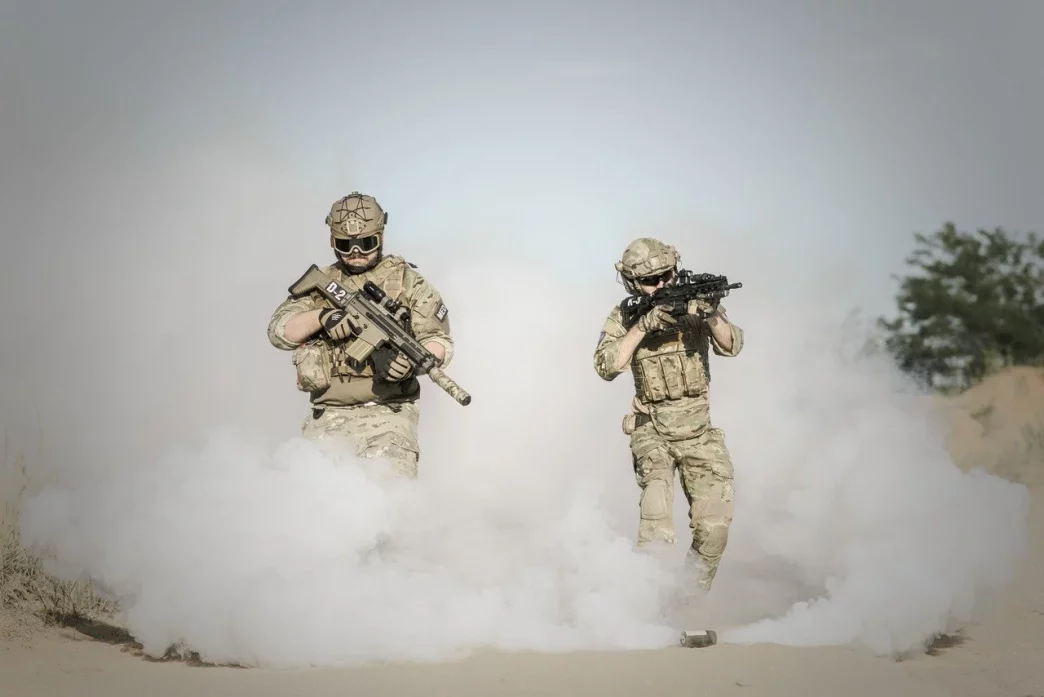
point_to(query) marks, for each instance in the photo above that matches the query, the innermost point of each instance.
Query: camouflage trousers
(375, 430)
(705, 470)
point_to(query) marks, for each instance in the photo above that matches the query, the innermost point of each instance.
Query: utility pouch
(312, 361)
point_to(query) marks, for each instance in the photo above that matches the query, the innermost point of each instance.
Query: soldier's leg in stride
(390, 432)
(707, 479)
(376, 431)
(654, 471)
(329, 423)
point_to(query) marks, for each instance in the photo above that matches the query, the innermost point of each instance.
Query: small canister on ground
(698, 638)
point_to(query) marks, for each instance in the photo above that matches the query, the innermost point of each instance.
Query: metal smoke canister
(698, 638)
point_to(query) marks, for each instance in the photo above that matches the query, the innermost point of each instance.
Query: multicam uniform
(379, 417)
(669, 424)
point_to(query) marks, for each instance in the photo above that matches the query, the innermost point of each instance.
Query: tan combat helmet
(357, 221)
(644, 258)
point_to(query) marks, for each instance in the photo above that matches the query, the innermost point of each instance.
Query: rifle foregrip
(450, 386)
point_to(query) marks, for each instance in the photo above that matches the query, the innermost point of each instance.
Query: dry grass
(30, 598)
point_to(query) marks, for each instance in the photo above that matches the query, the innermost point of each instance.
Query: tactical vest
(347, 384)
(672, 364)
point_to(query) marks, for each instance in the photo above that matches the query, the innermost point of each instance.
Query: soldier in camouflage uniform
(669, 423)
(375, 406)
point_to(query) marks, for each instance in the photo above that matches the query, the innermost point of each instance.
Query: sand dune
(999, 425)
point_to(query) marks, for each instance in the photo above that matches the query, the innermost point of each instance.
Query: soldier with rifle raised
(664, 332)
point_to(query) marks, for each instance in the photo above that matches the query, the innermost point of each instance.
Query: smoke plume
(852, 524)
(148, 263)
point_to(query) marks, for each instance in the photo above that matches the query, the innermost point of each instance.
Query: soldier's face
(357, 261)
(651, 284)
(357, 253)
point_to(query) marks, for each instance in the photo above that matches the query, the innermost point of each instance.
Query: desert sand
(1002, 653)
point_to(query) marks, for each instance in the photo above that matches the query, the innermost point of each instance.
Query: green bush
(973, 304)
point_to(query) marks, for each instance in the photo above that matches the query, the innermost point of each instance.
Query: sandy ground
(1002, 654)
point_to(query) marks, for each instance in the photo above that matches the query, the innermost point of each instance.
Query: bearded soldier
(373, 405)
(669, 423)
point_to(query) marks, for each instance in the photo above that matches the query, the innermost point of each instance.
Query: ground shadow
(935, 647)
(945, 641)
(99, 630)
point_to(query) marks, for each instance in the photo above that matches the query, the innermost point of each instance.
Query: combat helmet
(645, 257)
(357, 221)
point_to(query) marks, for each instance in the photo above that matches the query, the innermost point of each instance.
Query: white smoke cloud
(852, 525)
(260, 550)
(256, 547)
(855, 516)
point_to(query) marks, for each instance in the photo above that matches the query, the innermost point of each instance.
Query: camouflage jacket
(322, 369)
(671, 370)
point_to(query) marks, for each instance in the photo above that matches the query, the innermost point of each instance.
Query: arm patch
(441, 312)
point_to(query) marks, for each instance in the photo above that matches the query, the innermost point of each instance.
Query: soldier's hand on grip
(390, 365)
(702, 308)
(656, 319)
(335, 323)
(399, 368)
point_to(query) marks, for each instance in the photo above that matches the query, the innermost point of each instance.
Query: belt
(394, 406)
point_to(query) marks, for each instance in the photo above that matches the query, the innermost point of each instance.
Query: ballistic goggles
(651, 281)
(365, 245)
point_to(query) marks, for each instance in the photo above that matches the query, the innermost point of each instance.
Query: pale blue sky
(816, 123)
(826, 123)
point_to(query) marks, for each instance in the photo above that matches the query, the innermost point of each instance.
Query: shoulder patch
(441, 311)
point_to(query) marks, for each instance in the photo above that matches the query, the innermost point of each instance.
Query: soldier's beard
(358, 264)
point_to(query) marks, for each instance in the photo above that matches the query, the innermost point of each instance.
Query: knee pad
(655, 503)
(710, 536)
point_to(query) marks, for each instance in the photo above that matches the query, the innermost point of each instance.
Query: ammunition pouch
(633, 421)
(313, 365)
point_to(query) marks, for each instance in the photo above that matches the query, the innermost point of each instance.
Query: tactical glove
(390, 365)
(656, 319)
(336, 324)
(702, 308)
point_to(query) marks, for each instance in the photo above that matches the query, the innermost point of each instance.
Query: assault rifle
(377, 321)
(688, 286)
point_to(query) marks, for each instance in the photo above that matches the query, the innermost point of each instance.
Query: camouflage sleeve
(430, 316)
(737, 339)
(608, 348)
(277, 324)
